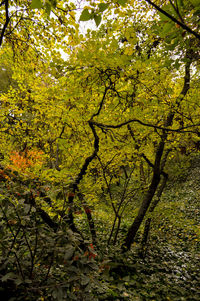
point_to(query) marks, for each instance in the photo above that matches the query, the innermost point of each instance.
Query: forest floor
(170, 269)
(167, 269)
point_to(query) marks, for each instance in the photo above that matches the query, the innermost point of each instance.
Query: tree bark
(142, 211)
(148, 221)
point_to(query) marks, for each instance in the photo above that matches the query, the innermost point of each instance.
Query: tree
(120, 64)
(103, 124)
(169, 30)
(23, 23)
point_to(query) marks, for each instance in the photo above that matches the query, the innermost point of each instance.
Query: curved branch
(80, 177)
(179, 130)
(101, 103)
(88, 159)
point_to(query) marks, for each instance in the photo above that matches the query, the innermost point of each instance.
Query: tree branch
(80, 176)
(7, 20)
(157, 166)
(2, 3)
(179, 130)
(101, 103)
(88, 159)
(188, 29)
(176, 10)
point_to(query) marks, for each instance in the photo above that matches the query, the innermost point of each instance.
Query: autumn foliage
(23, 162)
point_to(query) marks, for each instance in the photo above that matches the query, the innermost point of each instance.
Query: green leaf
(54, 3)
(85, 16)
(195, 2)
(8, 276)
(168, 9)
(97, 19)
(177, 64)
(85, 280)
(18, 281)
(197, 12)
(166, 29)
(163, 17)
(69, 253)
(122, 2)
(36, 4)
(48, 9)
(180, 3)
(27, 208)
(103, 6)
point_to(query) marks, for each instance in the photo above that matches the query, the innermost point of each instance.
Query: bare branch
(90, 158)
(101, 103)
(80, 177)
(176, 10)
(179, 130)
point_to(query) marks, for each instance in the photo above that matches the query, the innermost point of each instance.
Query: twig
(7, 20)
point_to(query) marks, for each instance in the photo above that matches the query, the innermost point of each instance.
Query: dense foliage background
(99, 158)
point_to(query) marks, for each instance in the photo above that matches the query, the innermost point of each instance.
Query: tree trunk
(148, 221)
(157, 168)
(143, 209)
